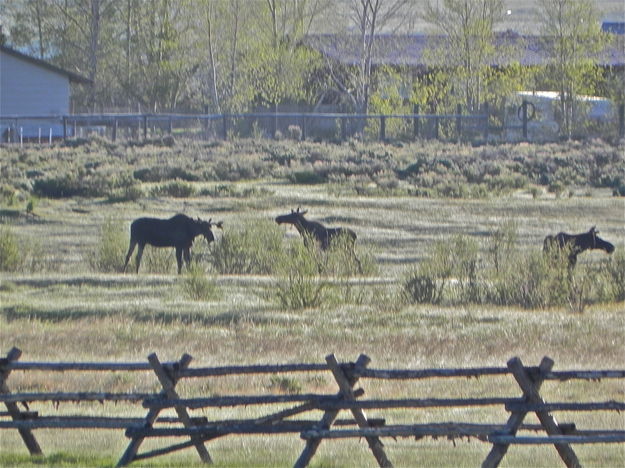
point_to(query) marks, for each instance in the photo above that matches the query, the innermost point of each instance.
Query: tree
(467, 47)
(574, 42)
(31, 25)
(368, 18)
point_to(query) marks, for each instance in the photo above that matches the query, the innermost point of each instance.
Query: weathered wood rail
(196, 432)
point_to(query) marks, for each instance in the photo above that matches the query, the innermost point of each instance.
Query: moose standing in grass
(574, 244)
(320, 234)
(178, 231)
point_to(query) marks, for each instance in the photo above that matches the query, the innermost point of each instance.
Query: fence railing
(300, 126)
(282, 407)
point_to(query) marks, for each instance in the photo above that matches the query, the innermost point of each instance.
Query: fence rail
(458, 126)
(198, 431)
(321, 126)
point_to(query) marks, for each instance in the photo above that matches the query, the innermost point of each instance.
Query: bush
(125, 188)
(10, 256)
(110, 251)
(70, 185)
(19, 254)
(299, 285)
(421, 288)
(197, 287)
(254, 248)
(175, 189)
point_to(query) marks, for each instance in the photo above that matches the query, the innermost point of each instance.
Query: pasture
(65, 310)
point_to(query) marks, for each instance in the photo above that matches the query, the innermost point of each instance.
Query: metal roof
(410, 49)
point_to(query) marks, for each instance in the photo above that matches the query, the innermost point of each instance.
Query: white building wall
(29, 90)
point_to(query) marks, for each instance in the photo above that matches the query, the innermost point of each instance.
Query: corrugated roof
(410, 49)
(74, 77)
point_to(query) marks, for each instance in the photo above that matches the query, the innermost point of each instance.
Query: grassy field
(66, 311)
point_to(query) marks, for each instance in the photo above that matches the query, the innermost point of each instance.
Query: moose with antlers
(316, 231)
(575, 244)
(178, 231)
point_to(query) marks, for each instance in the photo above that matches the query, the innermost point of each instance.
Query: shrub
(307, 177)
(125, 188)
(298, 285)
(69, 185)
(10, 256)
(175, 189)
(110, 251)
(421, 288)
(342, 259)
(197, 287)
(19, 254)
(254, 248)
(294, 132)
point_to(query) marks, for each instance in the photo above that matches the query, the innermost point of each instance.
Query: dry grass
(67, 312)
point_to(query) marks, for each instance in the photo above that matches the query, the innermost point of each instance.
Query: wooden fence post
(145, 127)
(459, 122)
(382, 128)
(415, 121)
(486, 111)
(346, 391)
(12, 408)
(524, 119)
(498, 451)
(169, 383)
(531, 394)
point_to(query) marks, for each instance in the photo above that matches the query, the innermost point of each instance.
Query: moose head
(295, 217)
(205, 228)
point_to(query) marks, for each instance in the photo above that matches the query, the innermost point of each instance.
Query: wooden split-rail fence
(285, 412)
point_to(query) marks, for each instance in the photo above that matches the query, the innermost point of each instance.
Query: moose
(178, 231)
(575, 244)
(321, 235)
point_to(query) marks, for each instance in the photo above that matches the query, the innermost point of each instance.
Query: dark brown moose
(575, 244)
(316, 231)
(178, 231)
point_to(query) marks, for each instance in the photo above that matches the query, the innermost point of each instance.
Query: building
(30, 87)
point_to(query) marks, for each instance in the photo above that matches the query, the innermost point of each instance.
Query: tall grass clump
(298, 284)
(17, 254)
(109, 254)
(252, 248)
(10, 257)
(343, 259)
(197, 286)
(610, 276)
(451, 272)
(174, 189)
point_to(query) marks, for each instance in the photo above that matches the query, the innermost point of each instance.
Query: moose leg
(357, 261)
(131, 248)
(179, 258)
(139, 255)
(187, 257)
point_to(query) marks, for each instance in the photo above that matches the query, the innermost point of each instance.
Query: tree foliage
(574, 40)
(236, 55)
